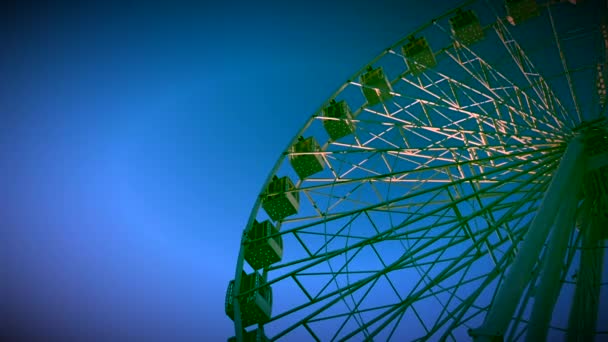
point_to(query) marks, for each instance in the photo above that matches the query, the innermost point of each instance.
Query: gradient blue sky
(134, 138)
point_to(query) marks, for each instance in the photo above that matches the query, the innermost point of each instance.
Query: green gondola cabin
(309, 161)
(519, 11)
(418, 54)
(376, 87)
(256, 303)
(281, 199)
(466, 27)
(263, 246)
(337, 122)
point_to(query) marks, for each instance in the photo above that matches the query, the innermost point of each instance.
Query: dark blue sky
(134, 138)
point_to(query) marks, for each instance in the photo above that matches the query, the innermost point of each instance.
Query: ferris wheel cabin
(519, 11)
(281, 199)
(304, 157)
(337, 122)
(376, 87)
(466, 27)
(264, 246)
(418, 54)
(255, 299)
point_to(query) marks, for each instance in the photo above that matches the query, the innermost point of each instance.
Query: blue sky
(134, 138)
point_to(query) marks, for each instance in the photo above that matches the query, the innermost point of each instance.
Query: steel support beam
(550, 283)
(585, 307)
(519, 274)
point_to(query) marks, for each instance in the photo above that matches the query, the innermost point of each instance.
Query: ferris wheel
(455, 188)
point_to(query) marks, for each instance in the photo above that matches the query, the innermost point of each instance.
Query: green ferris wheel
(455, 188)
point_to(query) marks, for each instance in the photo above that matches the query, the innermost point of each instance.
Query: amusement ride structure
(455, 188)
